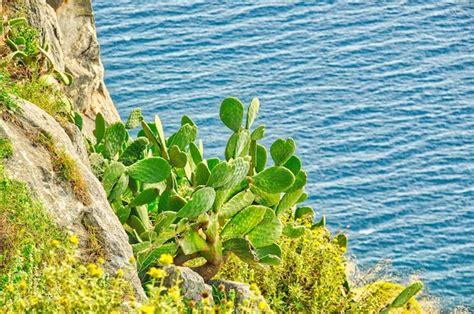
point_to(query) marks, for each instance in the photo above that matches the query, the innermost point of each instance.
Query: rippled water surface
(379, 98)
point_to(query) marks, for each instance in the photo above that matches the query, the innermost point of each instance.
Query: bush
(311, 275)
(312, 278)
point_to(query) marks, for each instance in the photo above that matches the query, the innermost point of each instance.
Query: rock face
(32, 163)
(191, 284)
(68, 27)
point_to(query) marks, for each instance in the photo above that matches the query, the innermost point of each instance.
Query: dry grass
(66, 167)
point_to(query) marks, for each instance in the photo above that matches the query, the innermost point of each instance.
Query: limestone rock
(31, 163)
(69, 28)
(191, 283)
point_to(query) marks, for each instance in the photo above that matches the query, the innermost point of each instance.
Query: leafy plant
(173, 200)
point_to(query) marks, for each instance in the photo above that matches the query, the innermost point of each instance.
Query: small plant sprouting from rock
(65, 166)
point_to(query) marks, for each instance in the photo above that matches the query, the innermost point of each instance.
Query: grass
(66, 167)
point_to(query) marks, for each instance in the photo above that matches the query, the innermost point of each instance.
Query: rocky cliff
(50, 156)
(68, 27)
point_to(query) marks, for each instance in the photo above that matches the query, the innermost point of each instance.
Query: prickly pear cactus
(172, 199)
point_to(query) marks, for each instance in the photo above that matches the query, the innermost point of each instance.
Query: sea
(378, 95)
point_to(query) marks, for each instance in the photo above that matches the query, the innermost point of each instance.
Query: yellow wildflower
(34, 300)
(253, 287)
(230, 304)
(100, 261)
(166, 259)
(74, 240)
(156, 273)
(10, 288)
(262, 305)
(174, 294)
(55, 243)
(23, 285)
(120, 273)
(147, 309)
(132, 260)
(95, 271)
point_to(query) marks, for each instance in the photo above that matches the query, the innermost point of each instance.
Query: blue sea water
(379, 97)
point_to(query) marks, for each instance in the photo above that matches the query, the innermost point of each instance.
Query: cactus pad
(303, 211)
(145, 197)
(178, 158)
(201, 202)
(134, 119)
(150, 170)
(221, 174)
(252, 112)
(267, 231)
(236, 203)
(274, 179)
(192, 242)
(231, 113)
(134, 151)
(115, 136)
(282, 150)
(243, 222)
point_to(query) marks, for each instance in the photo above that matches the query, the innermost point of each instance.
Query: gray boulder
(191, 283)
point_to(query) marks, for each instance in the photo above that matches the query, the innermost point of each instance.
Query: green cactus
(261, 158)
(288, 201)
(303, 211)
(178, 158)
(232, 113)
(236, 203)
(146, 196)
(192, 242)
(267, 232)
(115, 136)
(274, 179)
(100, 126)
(111, 174)
(134, 119)
(341, 241)
(282, 150)
(252, 112)
(221, 174)
(200, 202)
(150, 170)
(270, 255)
(404, 297)
(243, 222)
(293, 231)
(134, 151)
(320, 223)
(173, 199)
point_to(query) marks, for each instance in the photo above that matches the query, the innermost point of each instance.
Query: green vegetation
(237, 218)
(42, 270)
(172, 200)
(65, 166)
(312, 275)
(27, 71)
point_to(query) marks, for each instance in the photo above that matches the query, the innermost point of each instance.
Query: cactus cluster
(173, 200)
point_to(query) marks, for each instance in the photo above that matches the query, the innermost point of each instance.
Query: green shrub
(310, 277)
